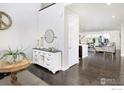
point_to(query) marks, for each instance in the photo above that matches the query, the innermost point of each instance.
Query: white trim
(65, 68)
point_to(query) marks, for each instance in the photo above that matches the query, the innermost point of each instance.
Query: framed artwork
(5, 21)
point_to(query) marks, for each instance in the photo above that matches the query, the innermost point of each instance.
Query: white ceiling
(98, 16)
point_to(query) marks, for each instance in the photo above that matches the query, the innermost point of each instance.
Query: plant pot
(10, 59)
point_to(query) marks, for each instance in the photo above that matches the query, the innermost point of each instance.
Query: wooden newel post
(14, 79)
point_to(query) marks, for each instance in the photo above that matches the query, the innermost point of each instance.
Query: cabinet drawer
(48, 65)
(41, 57)
(49, 55)
(48, 59)
(35, 52)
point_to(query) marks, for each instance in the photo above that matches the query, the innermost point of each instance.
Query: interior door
(73, 37)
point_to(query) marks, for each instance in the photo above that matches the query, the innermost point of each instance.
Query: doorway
(99, 28)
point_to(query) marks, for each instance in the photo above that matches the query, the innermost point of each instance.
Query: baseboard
(67, 67)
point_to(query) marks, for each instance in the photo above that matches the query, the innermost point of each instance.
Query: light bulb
(108, 4)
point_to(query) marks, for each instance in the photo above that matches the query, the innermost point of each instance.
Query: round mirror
(49, 36)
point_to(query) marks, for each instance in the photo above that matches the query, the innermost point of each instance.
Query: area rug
(25, 78)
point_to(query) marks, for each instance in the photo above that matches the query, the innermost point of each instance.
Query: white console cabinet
(46, 59)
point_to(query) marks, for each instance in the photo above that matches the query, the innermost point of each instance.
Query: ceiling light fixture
(113, 16)
(108, 4)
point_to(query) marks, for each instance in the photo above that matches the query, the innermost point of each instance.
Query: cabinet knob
(49, 55)
(35, 59)
(48, 59)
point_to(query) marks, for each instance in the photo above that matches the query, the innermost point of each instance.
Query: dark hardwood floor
(96, 69)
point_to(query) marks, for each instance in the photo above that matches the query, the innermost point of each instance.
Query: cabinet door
(38, 57)
(35, 56)
(41, 58)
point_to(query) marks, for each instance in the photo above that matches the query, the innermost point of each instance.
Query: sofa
(107, 48)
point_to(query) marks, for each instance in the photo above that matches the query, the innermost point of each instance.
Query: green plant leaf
(23, 54)
(4, 56)
(10, 50)
(14, 54)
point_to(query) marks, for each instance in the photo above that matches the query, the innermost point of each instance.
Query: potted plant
(13, 56)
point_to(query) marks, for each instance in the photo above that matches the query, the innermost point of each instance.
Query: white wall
(29, 24)
(71, 38)
(122, 39)
(23, 31)
(114, 36)
(53, 18)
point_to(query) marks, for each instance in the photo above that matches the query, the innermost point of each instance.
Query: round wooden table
(6, 67)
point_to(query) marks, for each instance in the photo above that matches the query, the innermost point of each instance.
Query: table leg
(14, 79)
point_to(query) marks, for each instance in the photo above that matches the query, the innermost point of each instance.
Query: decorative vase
(41, 42)
(38, 44)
